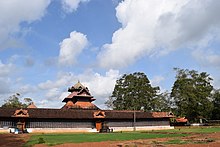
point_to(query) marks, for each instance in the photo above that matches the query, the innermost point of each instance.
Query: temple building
(80, 98)
(79, 114)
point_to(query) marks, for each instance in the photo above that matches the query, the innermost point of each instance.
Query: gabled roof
(99, 114)
(21, 113)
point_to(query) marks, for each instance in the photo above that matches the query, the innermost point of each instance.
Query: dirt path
(12, 140)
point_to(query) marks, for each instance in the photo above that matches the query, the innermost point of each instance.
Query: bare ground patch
(12, 140)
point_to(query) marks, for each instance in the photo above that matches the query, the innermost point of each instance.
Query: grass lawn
(193, 130)
(53, 139)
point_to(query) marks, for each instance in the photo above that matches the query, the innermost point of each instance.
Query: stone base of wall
(115, 129)
(4, 130)
(60, 130)
(145, 128)
(83, 130)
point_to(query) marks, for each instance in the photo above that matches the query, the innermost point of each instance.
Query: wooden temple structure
(79, 114)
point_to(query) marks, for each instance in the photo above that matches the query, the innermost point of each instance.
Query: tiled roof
(20, 113)
(162, 114)
(182, 120)
(86, 105)
(80, 105)
(68, 105)
(71, 95)
(81, 114)
(32, 106)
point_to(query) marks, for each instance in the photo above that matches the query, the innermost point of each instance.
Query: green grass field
(53, 139)
(192, 130)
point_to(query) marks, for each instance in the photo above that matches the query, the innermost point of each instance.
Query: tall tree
(162, 102)
(132, 92)
(192, 94)
(216, 104)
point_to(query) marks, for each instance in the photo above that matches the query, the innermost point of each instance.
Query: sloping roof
(68, 105)
(182, 120)
(86, 105)
(78, 87)
(81, 93)
(80, 105)
(31, 105)
(81, 114)
(51, 113)
(162, 114)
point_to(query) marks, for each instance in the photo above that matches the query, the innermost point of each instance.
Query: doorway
(98, 125)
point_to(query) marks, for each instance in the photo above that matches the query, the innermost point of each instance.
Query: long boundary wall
(83, 130)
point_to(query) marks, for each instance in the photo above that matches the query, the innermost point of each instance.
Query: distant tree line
(192, 95)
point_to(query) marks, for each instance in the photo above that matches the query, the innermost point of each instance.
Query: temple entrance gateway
(21, 126)
(21, 116)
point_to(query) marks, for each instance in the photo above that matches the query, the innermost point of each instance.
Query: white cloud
(100, 86)
(158, 27)
(52, 92)
(70, 6)
(5, 86)
(6, 69)
(217, 83)
(26, 89)
(71, 47)
(13, 13)
(208, 57)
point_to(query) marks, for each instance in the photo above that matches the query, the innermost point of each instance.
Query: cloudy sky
(46, 46)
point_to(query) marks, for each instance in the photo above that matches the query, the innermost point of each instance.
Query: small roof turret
(77, 87)
(80, 98)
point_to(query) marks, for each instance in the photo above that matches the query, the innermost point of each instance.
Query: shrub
(41, 140)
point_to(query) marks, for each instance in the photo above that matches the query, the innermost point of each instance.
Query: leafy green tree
(109, 103)
(192, 94)
(162, 102)
(13, 102)
(132, 92)
(216, 104)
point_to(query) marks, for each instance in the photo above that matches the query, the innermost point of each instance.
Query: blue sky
(46, 46)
